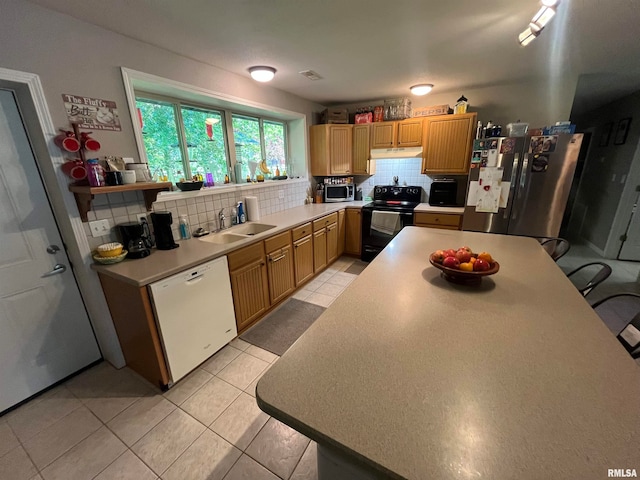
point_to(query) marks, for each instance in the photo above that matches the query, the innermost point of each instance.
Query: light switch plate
(99, 228)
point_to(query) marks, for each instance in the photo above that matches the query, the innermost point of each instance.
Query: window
(183, 140)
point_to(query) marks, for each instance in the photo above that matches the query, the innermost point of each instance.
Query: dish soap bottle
(185, 233)
(241, 216)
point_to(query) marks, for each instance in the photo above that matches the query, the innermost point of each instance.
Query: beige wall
(74, 57)
(605, 196)
(538, 101)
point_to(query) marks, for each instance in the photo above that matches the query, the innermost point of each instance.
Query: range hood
(409, 152)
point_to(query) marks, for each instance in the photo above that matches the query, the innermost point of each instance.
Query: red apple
(451, 262)
(437, 256)
(450, 253)
(481, 265)
(463, 256)
(466, 248)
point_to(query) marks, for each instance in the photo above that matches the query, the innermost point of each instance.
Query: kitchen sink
(252, 228)
(223, 238)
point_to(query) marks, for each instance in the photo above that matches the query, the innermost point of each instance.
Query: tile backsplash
(202, 210)
(409, 172)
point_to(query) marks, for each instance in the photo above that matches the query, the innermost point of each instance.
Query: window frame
(227, 120)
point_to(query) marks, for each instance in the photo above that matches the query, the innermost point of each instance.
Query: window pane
(246, 134)
(160, 137)
(205, 142)
(274, 146)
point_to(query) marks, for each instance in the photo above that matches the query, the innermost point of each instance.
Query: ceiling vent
(310, 74)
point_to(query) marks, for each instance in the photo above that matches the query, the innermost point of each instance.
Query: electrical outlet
(281, 194)
(99, 228)
(142, 217)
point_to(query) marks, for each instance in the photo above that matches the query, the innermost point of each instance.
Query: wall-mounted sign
(92, 113)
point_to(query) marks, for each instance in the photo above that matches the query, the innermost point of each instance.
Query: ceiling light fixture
(550, 3)
(529, 35)
(262, 73)
(544, 15)
(421, 89)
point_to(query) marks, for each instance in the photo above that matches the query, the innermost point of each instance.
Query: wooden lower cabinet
(341, 232)
(280, 266)
(353, 231)
(319, 250)
(447, 221)
(332, 242)
(303, 259)
(249, 284)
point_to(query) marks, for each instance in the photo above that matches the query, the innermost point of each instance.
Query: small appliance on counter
(443, 193)
(339, 193)
(162, 229)
(136, 239)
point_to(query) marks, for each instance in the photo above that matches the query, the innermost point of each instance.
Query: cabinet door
(319, 250)
(353, 231)
(303, 259)
(341, 232)
(332, 243)
(361, 149)
(250, 293)
(340, 146)
(383, 135)
(410, 133)
(448, 141)
(280, 271)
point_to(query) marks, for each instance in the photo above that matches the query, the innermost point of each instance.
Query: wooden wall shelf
(84, 194)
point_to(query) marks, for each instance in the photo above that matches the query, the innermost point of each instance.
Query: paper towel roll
(253, 209)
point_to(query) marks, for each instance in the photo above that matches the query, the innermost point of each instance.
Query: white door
(630, 249)
(45, 334)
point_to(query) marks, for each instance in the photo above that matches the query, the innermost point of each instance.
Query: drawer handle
(277, 259)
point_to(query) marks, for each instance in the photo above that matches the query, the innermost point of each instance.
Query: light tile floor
(109, 424)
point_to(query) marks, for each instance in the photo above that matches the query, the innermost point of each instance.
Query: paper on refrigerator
(489, 189)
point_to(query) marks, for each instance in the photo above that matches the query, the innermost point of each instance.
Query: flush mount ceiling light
(421, 89)
(262, 74)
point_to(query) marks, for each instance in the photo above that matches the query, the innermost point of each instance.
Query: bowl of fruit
(463, 266)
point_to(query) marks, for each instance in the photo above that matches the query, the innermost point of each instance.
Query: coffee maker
(136, 239)
(162, 229)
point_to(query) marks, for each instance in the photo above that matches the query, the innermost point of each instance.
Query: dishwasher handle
(194, 280)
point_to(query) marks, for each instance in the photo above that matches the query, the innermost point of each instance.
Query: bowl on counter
(109, 260)
(463, 277)
(107, 250)
(189, 186)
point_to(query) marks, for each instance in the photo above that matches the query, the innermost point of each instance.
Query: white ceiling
(372, 49)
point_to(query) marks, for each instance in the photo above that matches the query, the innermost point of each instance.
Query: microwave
(339, 193)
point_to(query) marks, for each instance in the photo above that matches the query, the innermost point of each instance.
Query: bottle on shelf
(241, 215)
(479, 130)
(185, 233)
(95, 173)
(489, 131)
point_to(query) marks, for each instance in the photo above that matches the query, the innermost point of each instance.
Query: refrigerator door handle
(523, 176)
(512, 183)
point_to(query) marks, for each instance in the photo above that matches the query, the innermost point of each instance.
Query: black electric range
(378, 229)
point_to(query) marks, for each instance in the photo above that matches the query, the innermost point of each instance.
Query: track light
(529, 35)
(544, 15)
(262, 73)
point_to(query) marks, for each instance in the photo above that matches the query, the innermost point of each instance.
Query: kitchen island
(409, 376)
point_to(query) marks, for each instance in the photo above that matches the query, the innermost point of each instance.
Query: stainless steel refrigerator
(536, 175)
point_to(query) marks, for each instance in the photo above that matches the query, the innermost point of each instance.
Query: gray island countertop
(410, 376)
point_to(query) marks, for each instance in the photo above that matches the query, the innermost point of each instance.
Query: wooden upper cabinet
(383, 134)
(331, 149)
(448, 140)
(362, 149)
(410, 133)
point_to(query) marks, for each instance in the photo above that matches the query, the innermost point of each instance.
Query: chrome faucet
(221, 219)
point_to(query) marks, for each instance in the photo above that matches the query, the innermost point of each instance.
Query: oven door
(376, 235)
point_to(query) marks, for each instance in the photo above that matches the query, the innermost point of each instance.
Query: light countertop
(418, 378)
(192, 252)
(425, 207)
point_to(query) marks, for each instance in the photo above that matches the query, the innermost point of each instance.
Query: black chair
(621, 314)
(556, 247)
(601, 275)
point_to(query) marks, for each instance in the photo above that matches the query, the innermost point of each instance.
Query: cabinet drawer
(277, 241)
(301, 231)
(324, 221)
(438, 219)
(246, 255)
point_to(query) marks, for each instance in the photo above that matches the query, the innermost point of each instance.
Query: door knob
(57, 268)
(52, 249)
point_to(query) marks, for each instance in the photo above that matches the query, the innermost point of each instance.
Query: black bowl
(189, 186)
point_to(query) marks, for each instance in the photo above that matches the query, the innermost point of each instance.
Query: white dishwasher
(194, 312)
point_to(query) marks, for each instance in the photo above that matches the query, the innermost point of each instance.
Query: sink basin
(223, 238)
(252, 228)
